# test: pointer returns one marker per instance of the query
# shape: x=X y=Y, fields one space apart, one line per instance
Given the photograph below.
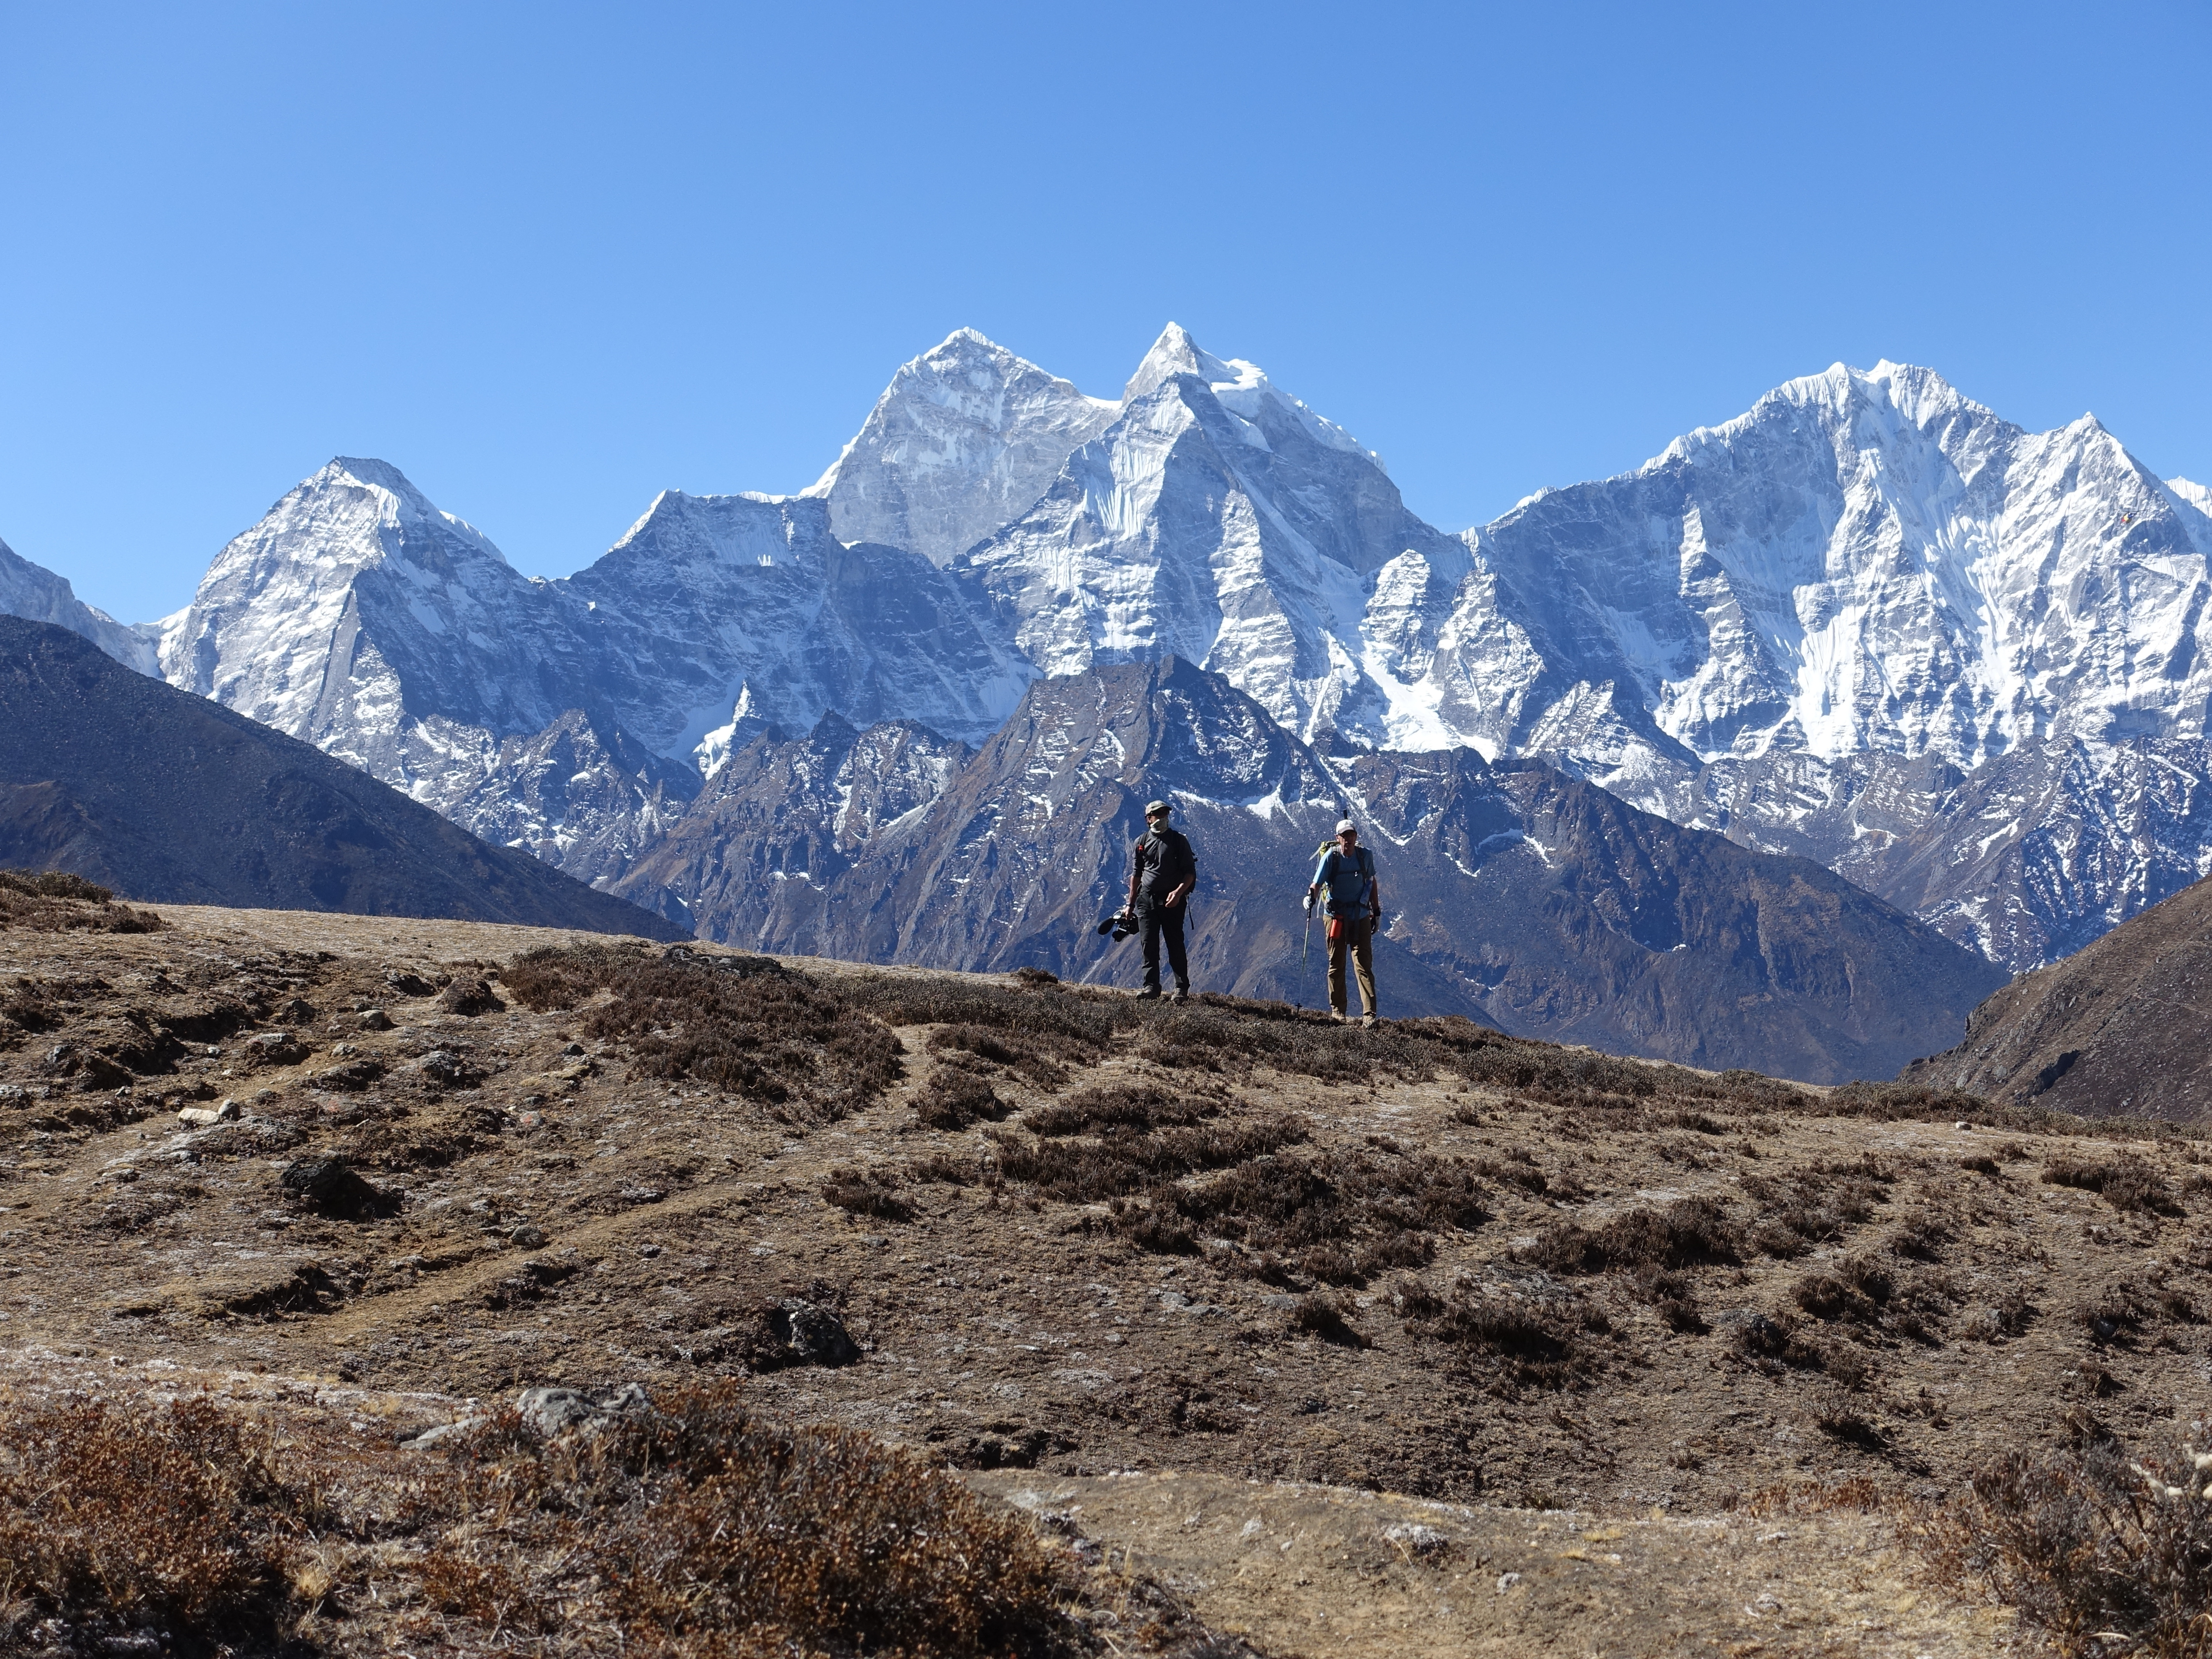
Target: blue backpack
x=1363 y=861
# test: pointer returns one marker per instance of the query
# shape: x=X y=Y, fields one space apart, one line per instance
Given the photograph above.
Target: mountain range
x=1867 y=623
x=173 y=798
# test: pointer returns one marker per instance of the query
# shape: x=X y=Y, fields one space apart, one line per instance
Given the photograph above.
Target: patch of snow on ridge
x=1241 y=387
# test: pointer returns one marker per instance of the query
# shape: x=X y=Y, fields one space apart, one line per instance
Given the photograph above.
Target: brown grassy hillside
x=2123 y=1028
x=1050 y=1238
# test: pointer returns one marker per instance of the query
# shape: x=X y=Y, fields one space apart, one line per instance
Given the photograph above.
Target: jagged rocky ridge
x=1532 y=900
x=1868 y=623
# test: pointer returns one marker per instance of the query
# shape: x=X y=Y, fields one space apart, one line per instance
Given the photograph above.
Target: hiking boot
x=1337 y=1014
x=1152 y=994
x=1369 y=1019
x=1183 y=994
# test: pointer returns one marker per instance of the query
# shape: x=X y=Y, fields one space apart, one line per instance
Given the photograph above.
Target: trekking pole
x=1305 y=950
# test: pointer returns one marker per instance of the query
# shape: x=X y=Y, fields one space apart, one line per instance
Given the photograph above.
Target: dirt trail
x=1361 y=1575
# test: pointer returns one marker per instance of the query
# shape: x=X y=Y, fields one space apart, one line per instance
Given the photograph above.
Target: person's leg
x=1362 y=955
x=1149 y=923
x=1176 y=958
x=1336 y=975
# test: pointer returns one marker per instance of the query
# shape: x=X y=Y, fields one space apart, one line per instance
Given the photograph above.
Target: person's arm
x=1184 y=889
x=1136 y=871
x=1313 y=887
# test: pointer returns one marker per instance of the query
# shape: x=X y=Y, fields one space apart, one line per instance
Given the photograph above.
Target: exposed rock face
x=2124 y=1026
x=783 y=821
x=582 y=794
x=1560 y=907
x=1534 y=900
x=166 y=796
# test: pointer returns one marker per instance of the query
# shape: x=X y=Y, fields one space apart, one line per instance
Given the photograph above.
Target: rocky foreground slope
x=1048 y=1235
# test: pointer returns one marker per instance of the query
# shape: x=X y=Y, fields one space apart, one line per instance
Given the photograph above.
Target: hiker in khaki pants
x=1354 y=906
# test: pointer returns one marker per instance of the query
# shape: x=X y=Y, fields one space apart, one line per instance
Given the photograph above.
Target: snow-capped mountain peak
x=1240 y=386
x=964 y=438
x=356 y=605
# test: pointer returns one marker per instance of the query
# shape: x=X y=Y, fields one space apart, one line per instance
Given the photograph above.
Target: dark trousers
x=1160 y=922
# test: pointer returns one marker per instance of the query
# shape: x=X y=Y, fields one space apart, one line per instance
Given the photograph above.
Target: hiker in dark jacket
x=1162 y=872
x=1354 y=907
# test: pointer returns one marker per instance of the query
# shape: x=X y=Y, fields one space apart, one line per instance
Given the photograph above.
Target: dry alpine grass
x=698 y=1527
x=1011 y=1225
x=54 y=901
x=742 y=1024
x=2107 y=1553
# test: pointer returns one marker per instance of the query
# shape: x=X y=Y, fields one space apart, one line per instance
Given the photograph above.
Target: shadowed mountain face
x=166 y=796
x=1517 y=895
x=2125 y=1027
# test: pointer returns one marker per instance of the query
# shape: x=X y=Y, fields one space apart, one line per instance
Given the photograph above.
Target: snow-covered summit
x=2192 y=494
x=1864 y=561
x=1220 y=520
x=1891 y=396
x=964 y=438
x=1240 y=386
x=356 y=567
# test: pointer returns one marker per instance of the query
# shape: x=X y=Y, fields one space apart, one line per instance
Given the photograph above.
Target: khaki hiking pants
x=1358 y=938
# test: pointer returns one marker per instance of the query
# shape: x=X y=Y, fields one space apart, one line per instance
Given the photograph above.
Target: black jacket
x=1161 y=860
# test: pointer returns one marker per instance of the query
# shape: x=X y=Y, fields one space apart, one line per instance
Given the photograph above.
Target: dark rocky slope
x=2122 y=1028
x=165 y=796
x=1519 y=896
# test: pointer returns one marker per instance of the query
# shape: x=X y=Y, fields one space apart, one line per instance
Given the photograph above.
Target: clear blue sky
x=550 y=259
